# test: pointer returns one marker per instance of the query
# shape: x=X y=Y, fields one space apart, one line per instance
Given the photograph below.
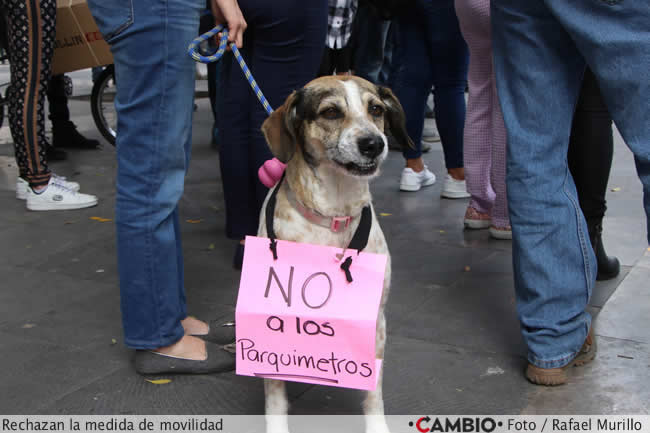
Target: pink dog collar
x=336 y=224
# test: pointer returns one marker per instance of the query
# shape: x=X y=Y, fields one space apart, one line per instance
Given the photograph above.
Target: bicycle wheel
x=102 y=104
x=67 y=85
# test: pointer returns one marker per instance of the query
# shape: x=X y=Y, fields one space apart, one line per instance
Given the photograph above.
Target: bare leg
x=415 y=164
x=457 y=173
x=194 y=326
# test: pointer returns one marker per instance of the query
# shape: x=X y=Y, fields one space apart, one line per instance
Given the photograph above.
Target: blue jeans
x=432 y=52
x=154 y=101
x=283 y=47
x=390 y=68
x=371 y=35
x=540 y=52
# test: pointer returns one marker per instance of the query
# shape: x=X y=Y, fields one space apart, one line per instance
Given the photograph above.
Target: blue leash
x=193 y=51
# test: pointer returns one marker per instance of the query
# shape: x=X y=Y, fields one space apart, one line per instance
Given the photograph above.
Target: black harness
x=359 y=240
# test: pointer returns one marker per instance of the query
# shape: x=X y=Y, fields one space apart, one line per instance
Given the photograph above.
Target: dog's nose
x=371 y=145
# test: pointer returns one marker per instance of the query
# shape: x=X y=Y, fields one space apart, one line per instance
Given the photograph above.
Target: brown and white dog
x=331 y=134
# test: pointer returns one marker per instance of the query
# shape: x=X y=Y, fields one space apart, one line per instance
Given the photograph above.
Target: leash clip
x=340 y=223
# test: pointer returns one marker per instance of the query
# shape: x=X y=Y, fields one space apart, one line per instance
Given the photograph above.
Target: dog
x=332 y=136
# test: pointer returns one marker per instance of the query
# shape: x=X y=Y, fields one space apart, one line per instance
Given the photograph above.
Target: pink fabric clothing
x=485 y=133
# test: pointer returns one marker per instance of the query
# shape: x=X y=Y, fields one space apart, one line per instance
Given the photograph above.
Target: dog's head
x=339 y=121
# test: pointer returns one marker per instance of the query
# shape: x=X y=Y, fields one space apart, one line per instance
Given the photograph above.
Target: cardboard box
x=79 y=44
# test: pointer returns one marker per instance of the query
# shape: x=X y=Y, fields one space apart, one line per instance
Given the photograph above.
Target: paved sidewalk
x=453 y=346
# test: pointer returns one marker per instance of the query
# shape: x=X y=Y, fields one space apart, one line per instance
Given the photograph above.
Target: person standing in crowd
x=283 y=48
x=64 y=131
x=154 y=103
x=214 y=77
x=432 y=52
x=484 y=139
x=337 y=57
x=591 y=150
x=375 y=34
x=540 y=53
x=4 y=43
x=31 y=26
x=370 y=43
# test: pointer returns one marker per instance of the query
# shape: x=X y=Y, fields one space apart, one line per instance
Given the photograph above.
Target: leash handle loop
x=193 y=51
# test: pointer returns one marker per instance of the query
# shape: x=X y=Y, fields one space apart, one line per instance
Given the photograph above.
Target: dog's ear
x=281 y=129
x=395 y=117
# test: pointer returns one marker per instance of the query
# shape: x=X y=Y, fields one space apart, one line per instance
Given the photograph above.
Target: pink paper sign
x=298 y=319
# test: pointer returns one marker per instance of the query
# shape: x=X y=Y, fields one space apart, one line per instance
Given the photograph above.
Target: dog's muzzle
x=370 y=146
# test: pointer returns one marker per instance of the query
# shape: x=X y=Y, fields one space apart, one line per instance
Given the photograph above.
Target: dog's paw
x=277 y=424
x=376 y=424
x=378 y=429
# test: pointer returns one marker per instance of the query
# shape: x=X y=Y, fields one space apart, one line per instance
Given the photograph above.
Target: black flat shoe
x=218 y=361
x=222 y=330
x=65 y=134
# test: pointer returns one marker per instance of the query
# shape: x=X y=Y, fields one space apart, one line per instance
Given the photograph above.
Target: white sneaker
x=22 y=186
x=57 y=197
x=412 y=181
x=454 y=188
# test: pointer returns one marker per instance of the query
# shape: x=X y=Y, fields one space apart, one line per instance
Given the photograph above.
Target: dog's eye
x=376 y=110
x=331 y=113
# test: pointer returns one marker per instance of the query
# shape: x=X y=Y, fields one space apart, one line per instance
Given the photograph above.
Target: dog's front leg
x=373 y=405
x=277 y=406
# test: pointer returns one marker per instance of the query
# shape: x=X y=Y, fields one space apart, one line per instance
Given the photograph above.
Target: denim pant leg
x=432 y=52
x=450 y=57
x=412 y=80
x=538 y=71
x=283 y=48
x=286 y=59
x=155 y=92
x=614 y=38
x=372 y=33
x=390 y=68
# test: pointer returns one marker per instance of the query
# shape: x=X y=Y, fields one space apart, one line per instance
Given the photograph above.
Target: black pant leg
x=57 y=99
x=591 y=149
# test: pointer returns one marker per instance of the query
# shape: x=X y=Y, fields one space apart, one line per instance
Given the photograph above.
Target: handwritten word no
x=286 y=294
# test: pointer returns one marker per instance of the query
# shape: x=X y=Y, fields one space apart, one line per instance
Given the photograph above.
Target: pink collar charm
x=271 y=171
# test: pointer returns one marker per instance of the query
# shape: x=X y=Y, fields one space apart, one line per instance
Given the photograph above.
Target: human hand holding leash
x=227 y=12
